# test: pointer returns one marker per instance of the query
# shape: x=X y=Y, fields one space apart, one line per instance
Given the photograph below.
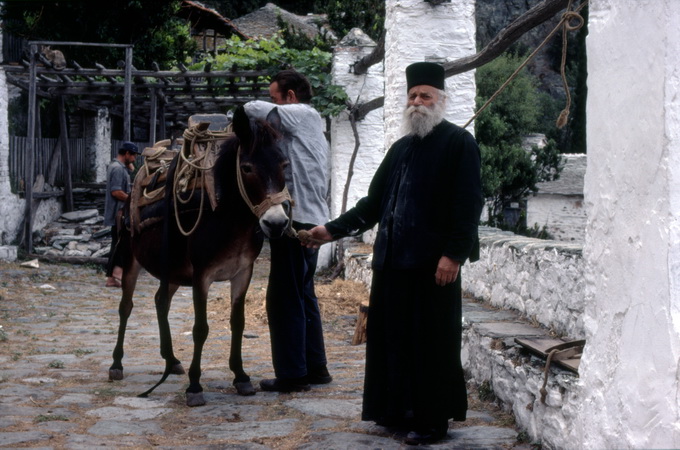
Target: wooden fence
x=81 y=170
x=43 y=150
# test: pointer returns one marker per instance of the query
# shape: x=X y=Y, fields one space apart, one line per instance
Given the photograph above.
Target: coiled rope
x=188 y=168
x=566 y=24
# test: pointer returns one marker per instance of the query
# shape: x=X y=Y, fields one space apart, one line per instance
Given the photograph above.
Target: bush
x=509 y=172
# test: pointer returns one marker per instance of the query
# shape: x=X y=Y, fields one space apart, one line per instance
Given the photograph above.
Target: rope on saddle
x=163 y=165
x=193 y=166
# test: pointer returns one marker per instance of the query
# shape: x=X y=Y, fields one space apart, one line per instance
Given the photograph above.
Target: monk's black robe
x=426 y=199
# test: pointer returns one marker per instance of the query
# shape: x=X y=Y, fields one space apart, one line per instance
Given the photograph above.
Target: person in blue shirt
x=118 y=187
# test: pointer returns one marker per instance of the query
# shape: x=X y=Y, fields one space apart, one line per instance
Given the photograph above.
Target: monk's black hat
x=429 y=73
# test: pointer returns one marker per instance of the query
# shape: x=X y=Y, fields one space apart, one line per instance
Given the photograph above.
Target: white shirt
x=305 y=145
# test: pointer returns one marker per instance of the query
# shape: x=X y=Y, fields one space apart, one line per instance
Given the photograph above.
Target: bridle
x=271 y=199
x=268 y=202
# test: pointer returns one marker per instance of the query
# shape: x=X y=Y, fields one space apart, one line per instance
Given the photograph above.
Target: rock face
x=493 y=15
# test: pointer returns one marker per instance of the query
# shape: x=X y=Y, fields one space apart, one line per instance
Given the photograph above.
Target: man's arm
x=119 y=195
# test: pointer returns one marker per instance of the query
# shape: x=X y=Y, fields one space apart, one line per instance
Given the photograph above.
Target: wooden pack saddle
x=193 y=174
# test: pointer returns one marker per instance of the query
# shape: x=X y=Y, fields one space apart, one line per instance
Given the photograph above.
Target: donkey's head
x=261 y=171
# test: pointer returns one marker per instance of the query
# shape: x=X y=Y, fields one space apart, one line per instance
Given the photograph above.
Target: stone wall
x=542 y=280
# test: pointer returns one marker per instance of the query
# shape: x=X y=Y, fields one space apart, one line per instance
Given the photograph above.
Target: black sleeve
x=366 y=213
x=467 y=201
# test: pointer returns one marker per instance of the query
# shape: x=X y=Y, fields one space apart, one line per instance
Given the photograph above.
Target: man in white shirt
x=298 y=350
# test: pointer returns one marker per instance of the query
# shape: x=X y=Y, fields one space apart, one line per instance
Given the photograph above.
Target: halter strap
x=271 y=200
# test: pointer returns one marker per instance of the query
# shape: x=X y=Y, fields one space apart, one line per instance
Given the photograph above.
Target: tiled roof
x=203 y=18
x=264 y=22
x=571 y=178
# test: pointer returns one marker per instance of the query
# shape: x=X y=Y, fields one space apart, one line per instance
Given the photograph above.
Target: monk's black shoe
x=285 y=385
x=429 y=436
x=319 y=375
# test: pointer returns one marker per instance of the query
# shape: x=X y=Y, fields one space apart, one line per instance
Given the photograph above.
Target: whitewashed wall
x=420 y=31
x=630 y=368
x=371 y=129
x=360 y=89
x=11 y=207
x=97 y=134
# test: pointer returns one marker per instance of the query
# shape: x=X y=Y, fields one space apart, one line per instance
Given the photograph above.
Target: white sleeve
x=257 y=109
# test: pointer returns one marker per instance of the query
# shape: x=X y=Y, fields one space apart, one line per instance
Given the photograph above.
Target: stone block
x=8 y=253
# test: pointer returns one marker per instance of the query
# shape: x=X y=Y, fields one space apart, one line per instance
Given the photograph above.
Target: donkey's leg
x=237 y=321
x=163 y=298
x=177 y=368
x=200 y=331
x=129 y=281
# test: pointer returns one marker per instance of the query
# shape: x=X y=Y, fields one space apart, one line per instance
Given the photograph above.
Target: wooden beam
x=127 y=128
x=29 y=166
x=66 y=155
x=153 y=109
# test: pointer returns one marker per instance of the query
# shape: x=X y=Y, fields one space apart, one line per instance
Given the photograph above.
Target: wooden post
x=127 y=95
x=152 y=117
x=29 y=168
x=360 y=330
x=66 y=155
x=54 y=164
x=161 y=131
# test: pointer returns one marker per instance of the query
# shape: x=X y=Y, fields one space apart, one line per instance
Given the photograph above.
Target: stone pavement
x=58 y=330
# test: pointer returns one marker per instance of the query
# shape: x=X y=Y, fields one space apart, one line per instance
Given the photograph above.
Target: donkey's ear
x=241 y=125
x=274 y=119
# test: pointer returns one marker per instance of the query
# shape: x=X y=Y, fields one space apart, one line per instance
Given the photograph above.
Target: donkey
x=251 y=202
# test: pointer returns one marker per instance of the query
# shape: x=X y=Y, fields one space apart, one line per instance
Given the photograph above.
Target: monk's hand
x=315 y=237
x=447 y=271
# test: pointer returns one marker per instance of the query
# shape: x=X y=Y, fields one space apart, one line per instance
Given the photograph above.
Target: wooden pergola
x=159 y=99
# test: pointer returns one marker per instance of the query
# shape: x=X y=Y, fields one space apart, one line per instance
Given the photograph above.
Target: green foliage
x=343 y=15
x=509 y=172
x=295 y=39
x=152 y=27
x=272 y=55
x=513 y=113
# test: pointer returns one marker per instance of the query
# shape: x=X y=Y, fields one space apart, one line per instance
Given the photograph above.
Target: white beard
x=420 y=120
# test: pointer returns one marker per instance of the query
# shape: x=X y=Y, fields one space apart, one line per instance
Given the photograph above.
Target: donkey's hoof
x=244 y=388
x=195 y=399
x=177 y=369
x=115 y=374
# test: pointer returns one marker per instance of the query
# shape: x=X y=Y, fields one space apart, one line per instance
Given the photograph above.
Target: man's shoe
x=285 y=385
x=319 y=376
x=425 y=437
